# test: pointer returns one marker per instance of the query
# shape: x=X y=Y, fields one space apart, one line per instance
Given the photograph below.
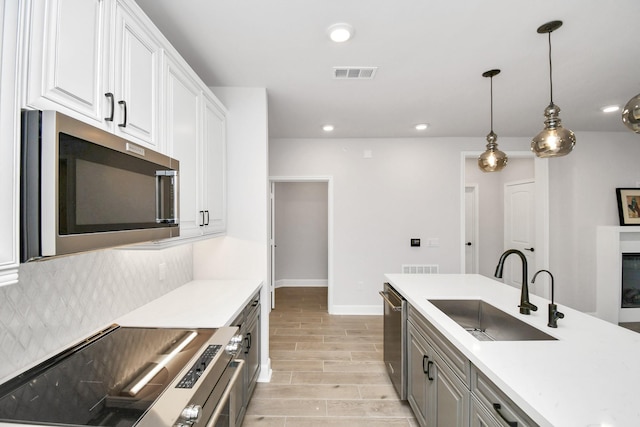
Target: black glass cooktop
x=94 y=383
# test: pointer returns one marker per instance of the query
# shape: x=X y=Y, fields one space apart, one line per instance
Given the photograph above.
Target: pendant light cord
x=550 y=70
x=491 y=104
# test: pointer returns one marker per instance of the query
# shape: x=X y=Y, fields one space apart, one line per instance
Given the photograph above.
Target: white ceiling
x=431 y=56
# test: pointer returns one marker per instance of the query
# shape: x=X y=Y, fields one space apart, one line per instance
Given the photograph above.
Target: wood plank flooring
x=327 y=369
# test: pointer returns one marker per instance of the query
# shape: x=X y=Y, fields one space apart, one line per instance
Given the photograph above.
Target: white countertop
x=198 y=304
x=588 y=377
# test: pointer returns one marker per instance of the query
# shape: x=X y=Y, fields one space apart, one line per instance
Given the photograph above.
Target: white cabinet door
x=136 y=71
x=67 y=57
x=9 y=135
x=181 y=117
x=214 y=167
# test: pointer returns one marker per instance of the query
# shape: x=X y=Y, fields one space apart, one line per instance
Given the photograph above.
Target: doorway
x=301 y=234
x=491 y=221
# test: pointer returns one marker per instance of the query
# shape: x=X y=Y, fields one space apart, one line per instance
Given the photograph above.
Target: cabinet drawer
x=496 y=402
x=451 y=355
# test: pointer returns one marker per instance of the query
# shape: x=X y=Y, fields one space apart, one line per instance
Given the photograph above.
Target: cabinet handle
x=124 y=122
x=247 y=338
x=429 y=364
x=497 y=407
x=201 y=219
x=207 y=216
x=424 y=359
x=110 y=96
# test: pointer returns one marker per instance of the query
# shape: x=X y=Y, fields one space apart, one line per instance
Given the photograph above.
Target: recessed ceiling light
x=327 y=128
x=422 y=126
x=610 y=108
x=340 y=33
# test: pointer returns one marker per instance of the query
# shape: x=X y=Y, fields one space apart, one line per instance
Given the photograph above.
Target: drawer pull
x=497 y=407
x=429 y=364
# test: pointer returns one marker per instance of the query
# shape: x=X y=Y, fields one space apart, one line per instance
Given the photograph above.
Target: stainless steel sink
x=487 y=323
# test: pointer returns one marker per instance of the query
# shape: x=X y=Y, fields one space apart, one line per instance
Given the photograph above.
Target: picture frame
x=628 y=205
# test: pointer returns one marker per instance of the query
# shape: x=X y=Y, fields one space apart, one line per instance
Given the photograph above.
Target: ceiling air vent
x=350 y=73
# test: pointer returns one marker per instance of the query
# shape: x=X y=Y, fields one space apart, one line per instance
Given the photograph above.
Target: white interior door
x=471 y=229
x=272 y=244
x=519 y=229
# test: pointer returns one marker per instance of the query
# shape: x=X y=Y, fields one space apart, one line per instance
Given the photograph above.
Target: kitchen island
x=588 y=376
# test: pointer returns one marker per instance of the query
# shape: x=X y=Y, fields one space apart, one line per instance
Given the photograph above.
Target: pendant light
x=492 y=160
x=631 y=114
x=554 y=140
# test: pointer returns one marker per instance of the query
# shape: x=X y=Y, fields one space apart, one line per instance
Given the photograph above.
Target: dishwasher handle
x=385 y=297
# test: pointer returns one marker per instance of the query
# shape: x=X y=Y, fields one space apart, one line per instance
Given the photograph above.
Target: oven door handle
x=227 y=392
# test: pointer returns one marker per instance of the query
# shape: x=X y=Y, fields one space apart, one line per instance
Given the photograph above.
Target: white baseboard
x=358 y=309
x=301 y=283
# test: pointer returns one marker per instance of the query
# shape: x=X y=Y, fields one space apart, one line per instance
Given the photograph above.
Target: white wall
x=411 y=188
x=301 y=227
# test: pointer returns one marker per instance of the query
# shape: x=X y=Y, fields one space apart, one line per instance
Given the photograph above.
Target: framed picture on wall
x=629 y=205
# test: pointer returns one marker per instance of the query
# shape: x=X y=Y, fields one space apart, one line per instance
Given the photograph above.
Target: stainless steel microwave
x=83 y=188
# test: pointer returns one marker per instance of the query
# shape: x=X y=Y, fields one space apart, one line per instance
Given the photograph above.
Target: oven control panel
x=194 y=373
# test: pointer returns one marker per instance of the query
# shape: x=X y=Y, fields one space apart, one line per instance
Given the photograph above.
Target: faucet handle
x=526 y=305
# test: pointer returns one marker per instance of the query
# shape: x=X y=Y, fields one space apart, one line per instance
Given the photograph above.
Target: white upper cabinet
x=214 y=168
x=181 y=119
x=136 y=71
x=195 y=135
x=9 y=136
x=95 y=60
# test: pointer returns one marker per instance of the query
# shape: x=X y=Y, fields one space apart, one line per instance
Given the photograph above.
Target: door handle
x=530 y=249
x=110 y=96
x=124 y=122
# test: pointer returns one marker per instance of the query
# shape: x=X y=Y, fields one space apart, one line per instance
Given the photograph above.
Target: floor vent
x=354 y=73
x=420 y=269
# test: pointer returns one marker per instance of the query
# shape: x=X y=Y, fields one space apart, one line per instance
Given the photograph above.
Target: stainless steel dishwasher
x=395 y=338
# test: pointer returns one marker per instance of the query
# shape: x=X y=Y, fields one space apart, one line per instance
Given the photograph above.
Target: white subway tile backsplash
x=60 y=301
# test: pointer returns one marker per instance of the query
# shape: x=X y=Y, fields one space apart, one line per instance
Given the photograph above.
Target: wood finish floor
x=327 y=369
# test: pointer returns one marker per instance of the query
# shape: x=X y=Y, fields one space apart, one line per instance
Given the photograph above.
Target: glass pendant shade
x=631 y=114
x=554 y=140
x=492 y=160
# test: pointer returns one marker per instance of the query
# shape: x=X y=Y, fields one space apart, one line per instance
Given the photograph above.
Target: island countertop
x=589 y=376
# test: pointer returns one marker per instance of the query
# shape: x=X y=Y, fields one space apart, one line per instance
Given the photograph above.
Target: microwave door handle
x=161 y=215
x=227 y=392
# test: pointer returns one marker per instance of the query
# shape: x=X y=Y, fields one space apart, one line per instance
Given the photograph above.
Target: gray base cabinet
x=249 y=323
x=445 y=390
x=435 y=393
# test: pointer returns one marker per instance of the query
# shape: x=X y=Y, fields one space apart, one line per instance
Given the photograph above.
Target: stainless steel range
x=124 y=377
